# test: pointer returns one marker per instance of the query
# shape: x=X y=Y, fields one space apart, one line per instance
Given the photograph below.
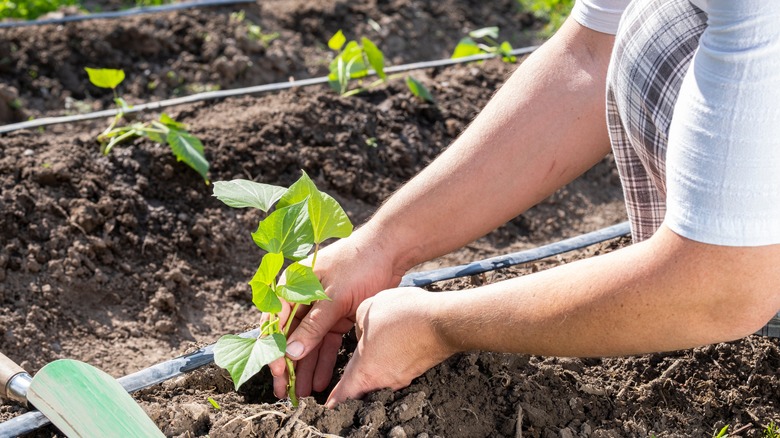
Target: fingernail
x=294 y=349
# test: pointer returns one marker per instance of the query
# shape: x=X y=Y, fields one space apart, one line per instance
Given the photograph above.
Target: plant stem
x=291 y=381
x=290 y=319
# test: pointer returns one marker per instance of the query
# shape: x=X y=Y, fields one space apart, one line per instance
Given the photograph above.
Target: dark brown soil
x=126 y=260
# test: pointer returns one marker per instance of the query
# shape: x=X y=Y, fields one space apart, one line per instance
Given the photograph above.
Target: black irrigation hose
x=161 y=372
x=123 y=13
x=221 y=94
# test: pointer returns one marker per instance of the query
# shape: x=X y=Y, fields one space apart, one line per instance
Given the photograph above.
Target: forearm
x=542 y=129
x=664 y=294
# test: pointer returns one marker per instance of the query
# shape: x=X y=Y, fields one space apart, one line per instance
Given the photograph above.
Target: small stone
x=397 y=432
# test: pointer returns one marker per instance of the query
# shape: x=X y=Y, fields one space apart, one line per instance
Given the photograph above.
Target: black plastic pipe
x=123 y=13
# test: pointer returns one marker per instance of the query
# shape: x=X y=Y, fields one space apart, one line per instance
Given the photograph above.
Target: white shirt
x=723 y=156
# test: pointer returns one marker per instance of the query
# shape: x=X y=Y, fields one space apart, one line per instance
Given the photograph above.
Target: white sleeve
x=723 y=156
x=599 y=15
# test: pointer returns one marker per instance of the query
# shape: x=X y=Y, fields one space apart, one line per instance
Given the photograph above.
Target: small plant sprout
x=303 y=218
x=771 y=430
x=355 y=59
x=483 y=41
x=185 y=146
x=722 y=433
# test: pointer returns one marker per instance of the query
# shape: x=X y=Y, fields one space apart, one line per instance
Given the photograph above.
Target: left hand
x=396 y=343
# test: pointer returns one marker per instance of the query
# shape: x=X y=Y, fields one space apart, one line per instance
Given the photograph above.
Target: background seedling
x=303 y=218
x=185 y=146
x=355 y=59
x=553 y=12
x=483 y=41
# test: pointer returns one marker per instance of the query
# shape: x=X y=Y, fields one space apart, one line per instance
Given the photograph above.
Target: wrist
x=443 y=316
x=397 y=246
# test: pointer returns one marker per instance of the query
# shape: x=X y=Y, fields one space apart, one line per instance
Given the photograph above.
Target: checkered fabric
x=654 y=46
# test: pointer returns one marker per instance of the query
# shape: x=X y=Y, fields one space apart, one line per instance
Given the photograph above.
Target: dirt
x=126 y=260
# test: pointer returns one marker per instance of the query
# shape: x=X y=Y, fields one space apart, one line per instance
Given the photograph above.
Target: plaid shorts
x=653 y=48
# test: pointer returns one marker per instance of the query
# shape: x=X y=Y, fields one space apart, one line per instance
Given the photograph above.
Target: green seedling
x=722 y=433
x=185 y=146
x=553 y=12
x=302 y=219
x=253 y=30
x=483 y=41
x=771 y=430
x=31 y=9
x=214 y=403
x=355 y=60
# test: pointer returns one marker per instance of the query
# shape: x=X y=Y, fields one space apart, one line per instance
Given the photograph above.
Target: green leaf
x=491 y=32
x=336 y=42
x=353 y=60
x=263 y=295
x=375 y=57
x=287 y=230
x=214 y=403
x=105 y=77
x=166 y=120
x=506 y=52
x=327 y=217
x=241 y=193
x=418 y=89
x=158 y=137
x=243 y=358
x=186 y=147
x=264 y=298
x=301 y=285
x=466 y=47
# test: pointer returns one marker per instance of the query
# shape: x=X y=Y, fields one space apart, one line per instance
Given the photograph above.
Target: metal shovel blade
x=83 y=401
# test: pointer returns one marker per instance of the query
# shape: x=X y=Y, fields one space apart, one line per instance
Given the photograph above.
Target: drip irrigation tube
x=221 y=94
x=123 y=13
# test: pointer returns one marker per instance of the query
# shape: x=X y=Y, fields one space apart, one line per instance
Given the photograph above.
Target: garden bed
x=126 y=260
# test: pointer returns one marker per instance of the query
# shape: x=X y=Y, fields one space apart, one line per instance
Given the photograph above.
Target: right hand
x=351 y=270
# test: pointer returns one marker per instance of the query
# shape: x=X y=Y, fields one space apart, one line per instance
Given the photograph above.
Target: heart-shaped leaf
x=245 y=357
x=375 y=57
x=105 y=77
x=186 y=147
x=301 y=285
x=287 y=230
x=241 y=193
x=336 y=42
x=263 y=295
x=466 y=47
x=327 y=217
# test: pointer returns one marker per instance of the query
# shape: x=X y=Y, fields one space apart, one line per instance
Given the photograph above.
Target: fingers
x=352 y=385
x=304 y=370
x=279 y=371
x=320 y=320
x=326 y=361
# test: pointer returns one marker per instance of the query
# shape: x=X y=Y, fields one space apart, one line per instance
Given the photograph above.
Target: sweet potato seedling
x=303 y=218
x=483 y=41
x=185 y=146
x=353 y=61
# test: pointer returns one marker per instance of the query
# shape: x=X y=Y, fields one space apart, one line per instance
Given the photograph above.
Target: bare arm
x=542 y=129
x=666 y=293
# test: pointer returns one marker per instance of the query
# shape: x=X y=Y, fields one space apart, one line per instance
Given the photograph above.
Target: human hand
x=350 y=270
x=396 y=343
